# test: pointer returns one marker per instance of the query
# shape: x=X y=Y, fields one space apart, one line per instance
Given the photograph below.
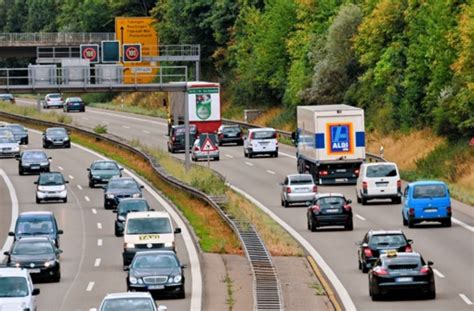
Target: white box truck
x=330 y=142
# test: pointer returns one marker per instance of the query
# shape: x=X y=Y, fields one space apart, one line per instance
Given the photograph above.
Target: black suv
x=380 y=242
x=176 y=139
x=230 y=134
x=120 y=188
x=33 y=161
x=56 y=137
x=37 y=224
x=126 y=206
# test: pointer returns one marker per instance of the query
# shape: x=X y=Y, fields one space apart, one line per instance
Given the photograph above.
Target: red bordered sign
x=90 y=52
x=132 y=52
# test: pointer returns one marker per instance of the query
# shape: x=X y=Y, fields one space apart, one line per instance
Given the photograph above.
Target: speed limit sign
x=90 y=52
x=132 y=52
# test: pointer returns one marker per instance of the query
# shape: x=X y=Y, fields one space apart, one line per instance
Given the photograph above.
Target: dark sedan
x=19 y=132
x=120 y=188
x=74 y=103
x=35 y=161
x=156 y=271
x=126 y=206
x=37 y=254
x=329 y=209
x=101 y=171
x=394 y=272
x=378 y=242
x=40 y=223
x=56 y=137
x=230 y=134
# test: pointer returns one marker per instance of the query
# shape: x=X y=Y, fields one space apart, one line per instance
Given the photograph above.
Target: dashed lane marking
x=99 y=225
x=94 y=211
x=90 y=286
x=87 y=199
x=360 y=217
x=97 y=262
x=249 y=164
x=99 y=242
x=466 y=300
x=271 y=172
x=79 y=187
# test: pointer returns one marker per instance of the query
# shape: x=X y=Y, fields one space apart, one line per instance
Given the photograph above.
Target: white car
x=379 y=181
x=9 y=147
x=261 y=141
x=51 y=186
x=53 y=100
x=130 y=301
x=16 y=290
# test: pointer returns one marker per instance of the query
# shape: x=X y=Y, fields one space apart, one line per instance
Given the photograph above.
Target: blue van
x=426 y=201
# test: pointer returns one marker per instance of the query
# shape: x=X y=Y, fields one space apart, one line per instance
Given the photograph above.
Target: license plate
x=404 y=279
x=156 y=287
x=332 y=210
x=301 y=190
x=35 y=167
x=341 y=179
x=431 y=210
x=341 y=170
x=34 y=270
x=149 y=237
x=381 y=184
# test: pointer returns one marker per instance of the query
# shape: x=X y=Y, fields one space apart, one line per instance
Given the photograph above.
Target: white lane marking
x=466 y=300
x=90 y=286
x=94 y=211
x=127 y=117
x=146 y=132
x=438 y=274
x=97 y=262
x=346 y=300
x=99 y=242
x=79 y=187
x=249 y=164
x=229 y=156
x=14 y=200
x=287 y=155
x=60 y=168
x=71 y=177
x=87 y=198
x=125 y=126
x=360 y=217
x=99 y=225
x=462 y=224
x=271 y=172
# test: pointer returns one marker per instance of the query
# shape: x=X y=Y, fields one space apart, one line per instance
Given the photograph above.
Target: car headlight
x=49 y=138
x=49 y=263
x=136 y=195
x=129 y=245
x=44 y=163
x=169 y=244
x=41 y=188
x=133 y=280
x=177 y=278
x=110 y=196
x=16 y=148
x=66 y=138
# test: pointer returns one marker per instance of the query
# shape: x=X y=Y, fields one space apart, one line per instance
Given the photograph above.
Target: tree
x=86 y=16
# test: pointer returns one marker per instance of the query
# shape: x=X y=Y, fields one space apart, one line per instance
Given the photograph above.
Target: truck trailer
x=330 y=142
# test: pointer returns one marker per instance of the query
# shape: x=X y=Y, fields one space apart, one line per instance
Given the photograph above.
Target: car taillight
x=288 y=189
x=448 y=209
x=399 y=183
x=173 y=138
x=221 y=136
x=364 y=185
x=424 y=270
x=368 y=252
x=323 y=173
x=411 y=211
x=61 y=99
x=251 y=135
x=315 y=188
x=408 y=249
x=241 y=134
x=196 y=148
x=315 y=208
x=348 y=208
x=356 y=172
x=380 y=271
x=48 y=99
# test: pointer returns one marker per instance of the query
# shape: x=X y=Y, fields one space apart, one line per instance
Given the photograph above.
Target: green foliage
x=91 y=98
x=100 y=129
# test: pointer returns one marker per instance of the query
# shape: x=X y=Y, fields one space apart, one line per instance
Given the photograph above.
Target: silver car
x=53 y=100
x=9 y=147
x=297 y=188
x=51 y=186
x=202 y=144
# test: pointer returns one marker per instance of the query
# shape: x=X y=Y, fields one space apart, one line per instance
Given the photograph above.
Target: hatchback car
x=156 y=271
x=33 y=161
x=230 y=134
x=261 y=141
x=129 y=301
x=426 y=201
x=297 y=188
x=37 y=254
x=126 y=206
x=120 y=188
x=176 y=139
x=378 y=242
x=56 y=137
x=379 y=181
x=329 y=209
x=205 y=147
x=394 y=272
x=101 y=171
x=7 y=98
x=74 y=103
x=19 y=132
x=51 y=186
x=9 y=147
x=16 y=290
x=53 y=100
x=40 y=223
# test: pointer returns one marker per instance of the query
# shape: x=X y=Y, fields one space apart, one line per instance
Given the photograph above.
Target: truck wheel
x=358 y=199
x=397 y=200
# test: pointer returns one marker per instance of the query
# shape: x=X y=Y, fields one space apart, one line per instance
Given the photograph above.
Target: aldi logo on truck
x=340 y=138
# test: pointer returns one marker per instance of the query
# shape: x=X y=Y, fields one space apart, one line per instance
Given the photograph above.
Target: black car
x=380 y=242
x=176 y=139
x=101 y=171
x=126 y=206
x=56 y=137
x=74 y=103
x=329 y=209
x=19 y=132
x=120 y=188
x=33 y=161
x=395 y=272
x=156 y=271
x=37 y=254
x=230 y=134
x=41 y=223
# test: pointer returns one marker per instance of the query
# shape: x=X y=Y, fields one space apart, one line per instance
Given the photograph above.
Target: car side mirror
x=35 y=292
x=121 y=218
x=114 y=211
x=49 y=158
x=152 y=209
x=282 y=184
x=67 y=181
x=364 y=245
x=142 y=186
x=358 y=243
x=6 y=253
x=35 y=182
x=184 y=266
x=410 y=241
x=60 y=232
x=349 y=201
x=88 y=169
x=121 y=168
x=309 y=203
x=11 y=233
x=59 y=251
x=126 y=268
x=177 y=230
x=430 y=263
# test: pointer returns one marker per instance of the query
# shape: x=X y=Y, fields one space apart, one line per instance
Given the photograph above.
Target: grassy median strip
x=160 y=113
x=32 y=112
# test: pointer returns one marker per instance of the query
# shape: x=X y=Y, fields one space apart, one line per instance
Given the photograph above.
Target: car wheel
x=358 y=199
x=411 y=223
x=26 y=141
x=396 y=200
x=375 y=297
x=431 y=294
x=68 y=146
x=65 y=200
x=364 y=201
x=286 y=203
x=447 y=222
x=250 y=155
x=313 y=227
x=116 y=232
x=91 y=184
x=217 y=158
x=57 y=277
x=349 y=226
x=276 y=154
x=38 y=201
x=21 y=172
x=365 y=269
x=245 y=154
x=172 y=150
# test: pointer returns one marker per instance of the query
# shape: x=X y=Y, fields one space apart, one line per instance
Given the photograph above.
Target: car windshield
x=13 y=286
x=203 y=137
x=128 y=206
x=381 y=171
x=122 y=184
x=33 y=226
x=301 y=180
x=386 y=240
x=16 y=128
x=233 y=129
x=263 y=135
x=154 y=262
x=75 y=100
x=32 y=248
x=181 y=130
x=54 y=95
x=127 y=304
x=148 y=225
x=105 y=166
x=7 y=140
x=34 y=156
x=59 y=132
x=51 y=180
x=429 y=191
x=330 y=202
x=402 y=263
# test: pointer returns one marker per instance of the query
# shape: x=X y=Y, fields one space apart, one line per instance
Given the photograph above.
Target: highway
x=91 y=264
x=451 y=249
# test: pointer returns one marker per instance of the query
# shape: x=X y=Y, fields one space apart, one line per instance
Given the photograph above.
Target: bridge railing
x=12 y=39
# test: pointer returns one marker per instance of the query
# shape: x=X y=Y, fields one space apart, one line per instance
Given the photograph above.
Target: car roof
x=74 y=98
x=262 y=129
x=385 y=232
x=104 y=161
x=427 y=182
x=327 y=195
x=13 y=271
x=128 y=295
x=49 y=94
x=378 y=163
x=149 y=214
x=51 y=173
x=122 y=178
x=55 y=128
x=299 y=175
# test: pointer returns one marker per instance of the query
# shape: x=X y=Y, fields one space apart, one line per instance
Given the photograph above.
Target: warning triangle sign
x=208 y=145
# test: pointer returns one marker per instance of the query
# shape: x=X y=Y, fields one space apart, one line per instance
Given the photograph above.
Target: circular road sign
x=132 y=53
x=89 y=53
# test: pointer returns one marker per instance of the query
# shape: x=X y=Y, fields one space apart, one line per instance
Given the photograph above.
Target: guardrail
x=267 y=289
x=53 y=38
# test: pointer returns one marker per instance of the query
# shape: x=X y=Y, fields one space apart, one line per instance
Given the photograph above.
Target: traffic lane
x=5 y=213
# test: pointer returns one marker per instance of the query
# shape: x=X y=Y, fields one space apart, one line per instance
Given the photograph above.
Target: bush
x=100 y=129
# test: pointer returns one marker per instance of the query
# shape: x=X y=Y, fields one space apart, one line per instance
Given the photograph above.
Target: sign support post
x=208 y=159
x=186 y=130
